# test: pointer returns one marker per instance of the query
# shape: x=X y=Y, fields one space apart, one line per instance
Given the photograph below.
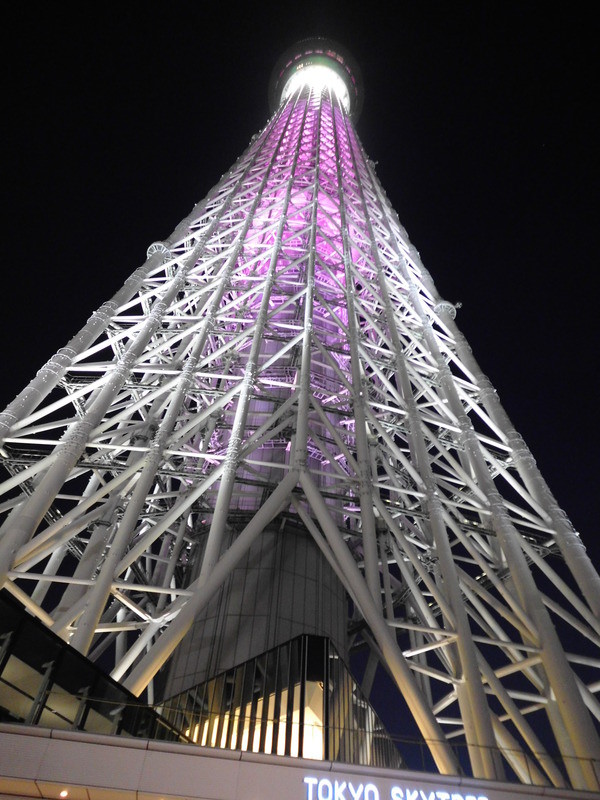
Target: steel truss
x=285 y=352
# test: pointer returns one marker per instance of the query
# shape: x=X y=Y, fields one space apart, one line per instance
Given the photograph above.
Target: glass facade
x=297 y=699
x=45 y=682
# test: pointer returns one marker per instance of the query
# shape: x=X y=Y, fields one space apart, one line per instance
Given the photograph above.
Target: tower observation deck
x=269 y=474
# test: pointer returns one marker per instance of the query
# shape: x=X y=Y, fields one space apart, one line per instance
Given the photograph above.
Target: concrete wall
x=37 y=762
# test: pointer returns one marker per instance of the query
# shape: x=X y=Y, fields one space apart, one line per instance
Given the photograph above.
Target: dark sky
x=120 y=116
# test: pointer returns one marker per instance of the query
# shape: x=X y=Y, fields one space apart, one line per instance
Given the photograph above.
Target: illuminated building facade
x=273 y=449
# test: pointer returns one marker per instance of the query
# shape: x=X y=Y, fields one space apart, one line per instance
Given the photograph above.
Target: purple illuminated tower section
x=271 y=458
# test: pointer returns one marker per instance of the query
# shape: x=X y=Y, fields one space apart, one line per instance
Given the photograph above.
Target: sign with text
x=331 y=789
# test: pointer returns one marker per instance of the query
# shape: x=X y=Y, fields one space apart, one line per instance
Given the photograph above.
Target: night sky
x=480 y=115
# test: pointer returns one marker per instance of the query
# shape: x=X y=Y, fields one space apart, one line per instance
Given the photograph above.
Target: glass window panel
x=313 y=739
x=19 y=686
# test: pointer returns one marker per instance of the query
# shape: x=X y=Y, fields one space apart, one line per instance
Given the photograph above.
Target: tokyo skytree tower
x=274 y=430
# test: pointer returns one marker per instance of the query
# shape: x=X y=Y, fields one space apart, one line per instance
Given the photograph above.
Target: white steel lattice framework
x=286 y=352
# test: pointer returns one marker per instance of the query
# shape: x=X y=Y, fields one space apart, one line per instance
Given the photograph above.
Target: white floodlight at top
x=318 y=77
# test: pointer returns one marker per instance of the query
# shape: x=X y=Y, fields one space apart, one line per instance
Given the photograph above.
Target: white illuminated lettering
x=356 y=793
x=310 y=782
x=371 y=792
x=339 y=790
x=324 y=789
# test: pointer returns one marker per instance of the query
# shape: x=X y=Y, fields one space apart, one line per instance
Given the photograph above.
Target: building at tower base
x=68 y=765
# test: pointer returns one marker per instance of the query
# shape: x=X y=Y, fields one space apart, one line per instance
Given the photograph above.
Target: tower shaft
x=283 y=366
